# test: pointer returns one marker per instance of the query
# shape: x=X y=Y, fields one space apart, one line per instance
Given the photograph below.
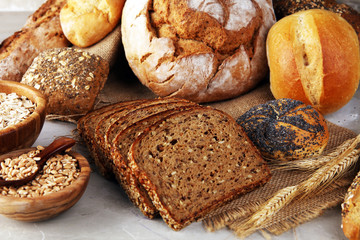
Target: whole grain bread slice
x=194 y=161
x=120 y=146
x=100 y=146
x=86 y=127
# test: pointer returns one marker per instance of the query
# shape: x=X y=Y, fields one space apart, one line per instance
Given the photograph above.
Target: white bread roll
x=314 y=57
x=201 y=50
x=86 y=22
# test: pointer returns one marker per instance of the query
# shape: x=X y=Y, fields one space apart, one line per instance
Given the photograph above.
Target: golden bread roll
x=286 y=129
x=86 y=22
x=314 y=57
x=201 y=50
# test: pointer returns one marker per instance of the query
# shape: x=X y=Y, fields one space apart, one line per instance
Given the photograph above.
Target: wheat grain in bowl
x=56 y=188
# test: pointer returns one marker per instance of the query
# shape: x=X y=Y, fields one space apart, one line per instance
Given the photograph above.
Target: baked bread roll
x=287 y=7
x=42 y=31
x=86 y=22
x=351 y=211
x=71 y=79
x=199 y=50
x=286 y=129
x=314 y=57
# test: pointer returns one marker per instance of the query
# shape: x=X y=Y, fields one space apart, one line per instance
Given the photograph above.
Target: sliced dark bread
x=119 y=152
x=194 y=161
x=100 y=146
x=88 y=123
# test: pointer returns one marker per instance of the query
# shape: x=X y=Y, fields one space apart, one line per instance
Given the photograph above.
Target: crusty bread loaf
x=314 y=57
x=86 y=22
x=287 y=7
x=197 y=50
x=351 y=211
x=194 y=161
x=286 y=129
x=70 y=78
x=42 y=31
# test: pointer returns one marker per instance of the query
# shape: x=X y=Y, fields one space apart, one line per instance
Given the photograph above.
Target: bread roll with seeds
x=286 y=129
x=70 y=78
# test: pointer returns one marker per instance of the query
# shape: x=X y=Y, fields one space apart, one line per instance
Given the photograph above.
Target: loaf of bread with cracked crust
x=194 y=161
x=42 y=31
x=199 y=50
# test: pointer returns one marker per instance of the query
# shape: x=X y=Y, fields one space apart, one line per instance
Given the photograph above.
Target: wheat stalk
x=341 y=160
x=270 y=207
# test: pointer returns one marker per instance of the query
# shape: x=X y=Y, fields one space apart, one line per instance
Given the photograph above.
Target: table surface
x=104 y=211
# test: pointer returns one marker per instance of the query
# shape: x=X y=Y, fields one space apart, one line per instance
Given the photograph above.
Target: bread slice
x=194 y=161
x=100 y=144
x=87 y=126
x=119 y=152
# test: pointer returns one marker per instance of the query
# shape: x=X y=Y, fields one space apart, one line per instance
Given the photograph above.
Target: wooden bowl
x=23 y=134
x=33 y=209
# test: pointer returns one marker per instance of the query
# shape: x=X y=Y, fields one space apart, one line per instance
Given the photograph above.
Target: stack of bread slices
x=172 y=156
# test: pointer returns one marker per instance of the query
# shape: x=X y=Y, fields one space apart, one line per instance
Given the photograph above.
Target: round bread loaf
x=201 y=50
x=85 y=22
x=286 y=129
x=314 y=57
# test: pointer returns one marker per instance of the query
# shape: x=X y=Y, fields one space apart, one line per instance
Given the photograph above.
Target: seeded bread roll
x=314 y=57
x=42 y=31
x=286 y=129
x=85 y=22
x=71 y=79
x=351 y=211
x=199 y=50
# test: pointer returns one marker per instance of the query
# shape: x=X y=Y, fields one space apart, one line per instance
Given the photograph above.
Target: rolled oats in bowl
x=14 y=109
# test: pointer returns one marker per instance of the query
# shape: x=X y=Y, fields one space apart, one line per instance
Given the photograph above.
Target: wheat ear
x=324 y=175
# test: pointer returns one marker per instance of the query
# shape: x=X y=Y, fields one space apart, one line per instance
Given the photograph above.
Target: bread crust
x=212 y=59
x=42 y=31
x=87 y=22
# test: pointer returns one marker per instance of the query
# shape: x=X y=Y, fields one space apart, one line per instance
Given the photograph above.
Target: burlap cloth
x=123 y=85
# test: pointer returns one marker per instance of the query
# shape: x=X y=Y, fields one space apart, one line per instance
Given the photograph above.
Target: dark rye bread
x=86 y=127
x=195 y=161
x=100 y=145
x=119 y=152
